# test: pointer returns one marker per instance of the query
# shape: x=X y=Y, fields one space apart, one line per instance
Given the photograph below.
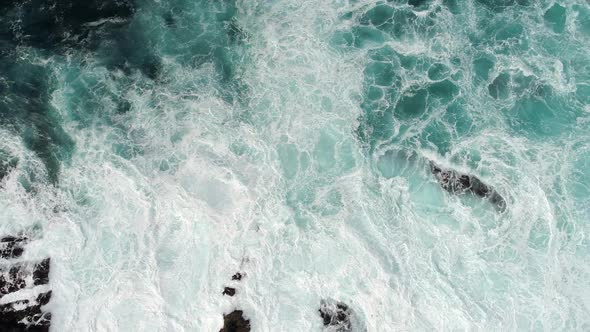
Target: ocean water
x=155 y=148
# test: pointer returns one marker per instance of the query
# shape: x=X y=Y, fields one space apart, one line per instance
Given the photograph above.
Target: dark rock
x=44 y=298
x=12 y=247
x=229 y=291
x=12 y=239
x=41 y=273
x=458 y=183
x=13 y=279
x=235 y=322
x=336 y=315
x=25 y=316
x=21 y=328
x=237 y=276
x=17 y=276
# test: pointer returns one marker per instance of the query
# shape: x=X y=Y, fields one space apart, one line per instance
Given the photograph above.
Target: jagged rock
x=235 y=322
x=44 y=298
x=17 y=276
x=237 y=276
x=25 y=315
x=229 y=291
x=12 y=280
x=22 y=313
x=458 y=183
x=12 y=247
x=41 y=273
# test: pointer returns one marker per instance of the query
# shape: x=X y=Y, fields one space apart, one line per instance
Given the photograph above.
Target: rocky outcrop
x=12 y=246
x=26 y=315
x=23 y=275
x=235 y=322
x=26 y=283
x=458 y=183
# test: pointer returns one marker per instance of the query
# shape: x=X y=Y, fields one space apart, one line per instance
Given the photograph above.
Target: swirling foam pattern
x=161 y=146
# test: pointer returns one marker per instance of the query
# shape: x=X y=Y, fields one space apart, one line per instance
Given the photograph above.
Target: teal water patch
x=105 y=51
x=24 y=109
x=468 y=83
x=403 y=84
x=555 y=17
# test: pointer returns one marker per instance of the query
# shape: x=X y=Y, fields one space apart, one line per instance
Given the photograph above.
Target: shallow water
x=155 y=148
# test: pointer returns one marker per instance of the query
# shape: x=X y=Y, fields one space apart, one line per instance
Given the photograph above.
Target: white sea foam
x=145 y=239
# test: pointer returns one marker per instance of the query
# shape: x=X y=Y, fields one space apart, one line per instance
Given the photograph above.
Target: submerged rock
x=229 y=291
x=339 y=317
x=235 y=322
x=458 y=183
x=336 y=316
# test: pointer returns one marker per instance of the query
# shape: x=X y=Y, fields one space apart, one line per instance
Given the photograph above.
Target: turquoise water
x=160 y=146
